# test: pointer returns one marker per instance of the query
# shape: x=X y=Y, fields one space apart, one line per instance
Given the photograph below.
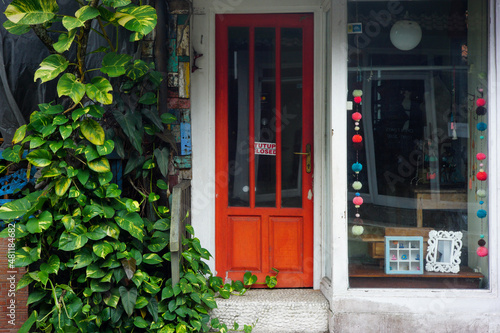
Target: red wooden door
x=264 y=147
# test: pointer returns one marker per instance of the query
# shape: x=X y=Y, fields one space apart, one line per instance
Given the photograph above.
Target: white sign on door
x=265 y=148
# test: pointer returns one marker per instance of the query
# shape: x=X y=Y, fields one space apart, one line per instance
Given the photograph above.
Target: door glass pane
x=238 y=115
x=265 y=117
x=291 y=117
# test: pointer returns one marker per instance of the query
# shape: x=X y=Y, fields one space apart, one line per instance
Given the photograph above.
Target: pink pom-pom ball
x=481 y=175
x=356 y=116
x=482 y=251
x=358 y=201
x=357 y=99
x=481 y=102
x=481 y=156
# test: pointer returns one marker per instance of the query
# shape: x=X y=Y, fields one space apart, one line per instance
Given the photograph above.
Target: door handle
x=308 y=157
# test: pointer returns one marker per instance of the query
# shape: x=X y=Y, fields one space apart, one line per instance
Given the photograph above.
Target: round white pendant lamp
x=406 y=35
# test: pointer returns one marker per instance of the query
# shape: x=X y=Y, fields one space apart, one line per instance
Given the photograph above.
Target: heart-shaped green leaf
x=128 y=298
x=83 y=176
x=92 y=131
x=68 y=85
x=51 y=67
x=62 y=185
x=114 y=64
x=99 y=90
x=74 y=240
x=141 y=19
x=106 y=148
x=136 y=69
x=105 y=178
x=52 y=265
x=39 y=158
x=112 y=191
x=31 y=11
x=152 y=259
x=75 y=115
x=83 y=258
x=168 y=118
x=19 y=134
x=131 y=222
x=83 y=14
x=59 y=120
x=65 y=131
x=102 y=248
x=12 y=154
x=64 y=42
x=55 y=146
x=100 y=165
x=16 y=29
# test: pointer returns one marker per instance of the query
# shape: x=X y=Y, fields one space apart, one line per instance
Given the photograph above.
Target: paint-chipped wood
x=173 y=63
x=182 y=162
x=185 y=139
x=184 y=79
x=179 y=103
x=183 y=40
x=172 y=26
x=173 y=80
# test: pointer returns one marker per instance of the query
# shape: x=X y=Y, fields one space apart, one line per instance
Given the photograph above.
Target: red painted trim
x=278 y=117
x=251 y=120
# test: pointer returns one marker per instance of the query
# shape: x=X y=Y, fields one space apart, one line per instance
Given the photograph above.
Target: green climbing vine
x=97 y=258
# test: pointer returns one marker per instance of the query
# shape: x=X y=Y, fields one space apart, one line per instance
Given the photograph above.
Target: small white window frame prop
x=443 y=252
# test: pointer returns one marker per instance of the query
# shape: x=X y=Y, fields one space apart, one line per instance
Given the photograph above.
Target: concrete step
x=276 y=311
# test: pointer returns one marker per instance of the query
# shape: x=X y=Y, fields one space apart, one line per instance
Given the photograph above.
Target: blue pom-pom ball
x=357 y=167
x=481 y=213
x=481 y=126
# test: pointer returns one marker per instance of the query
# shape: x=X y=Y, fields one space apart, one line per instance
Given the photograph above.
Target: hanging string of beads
x=357 y=140
x=481 y=175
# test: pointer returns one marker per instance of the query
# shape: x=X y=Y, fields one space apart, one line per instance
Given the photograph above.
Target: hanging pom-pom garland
x=481 y=175
x=357 y=141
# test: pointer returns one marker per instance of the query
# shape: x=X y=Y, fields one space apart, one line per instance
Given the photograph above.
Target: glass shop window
x=417 y=144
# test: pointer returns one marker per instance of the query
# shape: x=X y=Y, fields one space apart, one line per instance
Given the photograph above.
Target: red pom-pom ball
x=481 y=156
x=357 y=99
x=482 y=251
x=481 y=175
x=358 y=201
x=357 y=138
x=356 y=116
x=481 y=102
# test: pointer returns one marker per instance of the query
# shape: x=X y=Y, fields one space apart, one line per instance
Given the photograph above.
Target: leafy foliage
x=98 y=261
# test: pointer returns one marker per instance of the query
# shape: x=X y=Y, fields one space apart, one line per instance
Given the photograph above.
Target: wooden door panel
x=245 y=247
x=264 y=136
x=287 y=243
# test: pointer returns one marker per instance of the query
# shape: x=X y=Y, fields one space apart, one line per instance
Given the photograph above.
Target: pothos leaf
x=64 y=42
x=68 y=85
x=99 y=90
x=141 y=19
x=51 y=67
x=31 y=11
x=92 y=131
x=114 y=64
x=16 y=29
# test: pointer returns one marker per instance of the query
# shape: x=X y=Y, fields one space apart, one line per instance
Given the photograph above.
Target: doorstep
x=276 y=311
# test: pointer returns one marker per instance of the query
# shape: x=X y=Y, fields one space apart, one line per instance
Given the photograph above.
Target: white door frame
x=203 y=113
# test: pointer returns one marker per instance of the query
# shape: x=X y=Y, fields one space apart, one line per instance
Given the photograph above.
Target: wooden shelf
x=364 y=276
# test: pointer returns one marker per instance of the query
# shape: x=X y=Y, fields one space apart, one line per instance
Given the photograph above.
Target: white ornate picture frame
x=443 y=252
